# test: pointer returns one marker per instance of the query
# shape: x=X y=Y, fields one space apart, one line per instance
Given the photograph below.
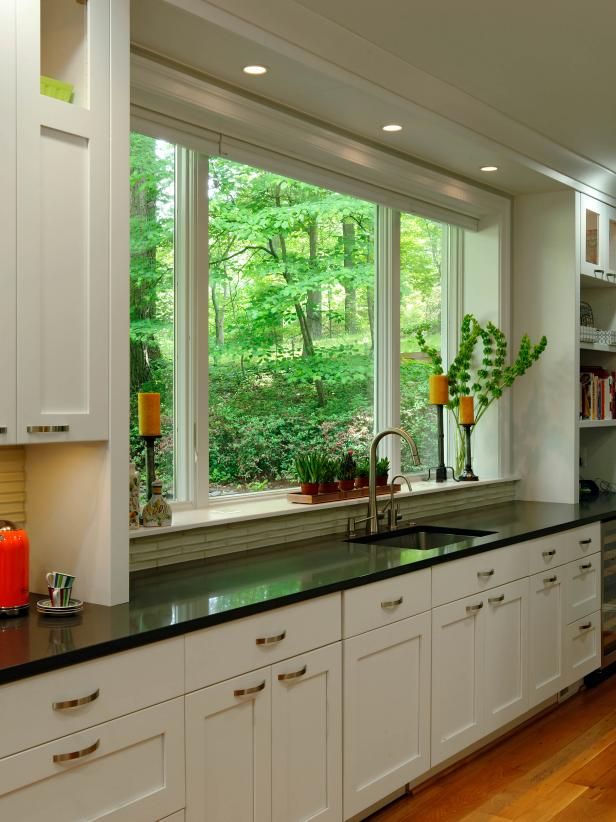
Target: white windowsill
x=230 y=511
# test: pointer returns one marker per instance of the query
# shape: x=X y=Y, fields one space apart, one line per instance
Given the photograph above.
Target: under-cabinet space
x=64 y=45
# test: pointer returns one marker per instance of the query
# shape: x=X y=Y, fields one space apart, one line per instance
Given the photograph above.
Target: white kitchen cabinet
x=582 y=647
x=8 y=279
x=228 y=750
x=505 y=682
x=458 y=658
x=593 y=245
x=386 y=710
x=130 y=769
x=62 y=224
x=546 y=638
x=307 y=737
x=583 y=585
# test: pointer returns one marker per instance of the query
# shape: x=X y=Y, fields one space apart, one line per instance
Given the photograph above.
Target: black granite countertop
x=182 y=598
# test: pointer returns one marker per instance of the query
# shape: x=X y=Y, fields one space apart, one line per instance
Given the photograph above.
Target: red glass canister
x=14 y=569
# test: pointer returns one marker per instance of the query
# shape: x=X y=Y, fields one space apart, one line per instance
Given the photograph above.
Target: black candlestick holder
x=468 y=475
x=440 y=470
x=150 y=470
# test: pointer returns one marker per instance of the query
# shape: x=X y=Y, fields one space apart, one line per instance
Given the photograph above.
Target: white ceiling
x=523 y=87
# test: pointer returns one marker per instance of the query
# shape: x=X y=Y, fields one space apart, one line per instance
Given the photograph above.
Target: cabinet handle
x=249 y=691
x=496 y=600
x=294 y=675
x=472 y=609
x=547 y=554
x=392 y=603
x=489 y=573
x=270 y=640
x=47 y=429
x=585 y=541
x=550 y=580
x=586 y=566
x=585 y=626
x=67 y=757
x=76 y=703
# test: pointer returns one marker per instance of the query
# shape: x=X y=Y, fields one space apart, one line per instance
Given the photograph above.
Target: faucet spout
x=373 y=521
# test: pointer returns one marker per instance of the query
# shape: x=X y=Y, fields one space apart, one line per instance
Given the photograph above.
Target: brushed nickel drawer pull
x=294 y=675
x=271 y=640
x=249 y=691
x=585 y=541
x=550 y=553
x=586 y=566
x=550 y=580
x=76 y=703
x=472 y=609
x=585 y=626
x=496 y=600
x=68 y=757
x=489 y=573
x=392 y=603
x=47 y=429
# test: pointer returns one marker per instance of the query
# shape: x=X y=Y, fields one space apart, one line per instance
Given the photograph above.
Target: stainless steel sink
x=422 y=538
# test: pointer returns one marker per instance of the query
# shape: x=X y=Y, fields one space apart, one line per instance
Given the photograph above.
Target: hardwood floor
x=562 y=767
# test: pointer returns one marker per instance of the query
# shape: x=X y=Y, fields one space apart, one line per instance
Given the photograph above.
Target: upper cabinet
x=597 y=239
x=61 y=267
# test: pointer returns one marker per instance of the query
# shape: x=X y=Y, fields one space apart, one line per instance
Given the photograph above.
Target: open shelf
x=588 y=346
x=598 y=281
x=64 y=45
x=597 y=423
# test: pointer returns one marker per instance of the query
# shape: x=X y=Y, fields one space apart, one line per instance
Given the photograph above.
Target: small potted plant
x=308 y=467
x=329 y=470
x=362 y=475
x=382 y=471
x=346 y=472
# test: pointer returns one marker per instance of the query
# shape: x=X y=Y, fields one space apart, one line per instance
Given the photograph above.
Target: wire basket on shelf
x=586 y=315
x=588 y=334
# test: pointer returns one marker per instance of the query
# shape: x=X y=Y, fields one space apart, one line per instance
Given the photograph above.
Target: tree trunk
x=350 y=292
x=314 y=297
x=219 y=316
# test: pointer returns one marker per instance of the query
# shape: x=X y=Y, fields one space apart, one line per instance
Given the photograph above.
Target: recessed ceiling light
x=392 y=127
x=489 y=168
x=255 y=70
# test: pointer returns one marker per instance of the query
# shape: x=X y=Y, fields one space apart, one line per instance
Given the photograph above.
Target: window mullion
x=387 y=336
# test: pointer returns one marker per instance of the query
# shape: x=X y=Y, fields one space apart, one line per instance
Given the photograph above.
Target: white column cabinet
x=307 y=737
x=386 y=710
x=228 y=750
x=545 y=646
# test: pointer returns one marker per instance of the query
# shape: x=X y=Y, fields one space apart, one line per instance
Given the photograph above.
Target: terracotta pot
x=381 y=481
x=346 y=485
x=362 y=482
x=310 y=488
x=328 y=487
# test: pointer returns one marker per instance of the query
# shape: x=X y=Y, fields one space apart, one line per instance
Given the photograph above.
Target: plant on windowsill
x=362 y=474
x=485 y=382
x=347 y=470
x=309 y=467
x=329 y=470
x=382 y=471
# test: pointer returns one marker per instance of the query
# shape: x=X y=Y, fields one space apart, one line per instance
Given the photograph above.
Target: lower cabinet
x=130 y=769
x=267 y=745
x=546 y=663
x=582 y=647
x=386 y=710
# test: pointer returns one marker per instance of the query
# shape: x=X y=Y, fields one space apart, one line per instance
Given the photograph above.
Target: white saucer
x=44 y=606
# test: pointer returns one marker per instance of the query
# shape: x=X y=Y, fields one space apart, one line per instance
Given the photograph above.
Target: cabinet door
x=228 y=750
x=583 y=587
x=505 y=679
x=128 y=770
x=63 y=224
x=307 y=737
x=592 y=240
x=458 y=639
x=582 y=647
x=545 y=635
x=8 y=277
x=386 y=710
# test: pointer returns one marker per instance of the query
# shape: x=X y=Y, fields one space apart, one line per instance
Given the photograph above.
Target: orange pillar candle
x=467 y=411
x=439 y=389
x=149 y=414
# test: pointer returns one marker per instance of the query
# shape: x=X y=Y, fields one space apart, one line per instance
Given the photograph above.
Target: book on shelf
x=597 y=393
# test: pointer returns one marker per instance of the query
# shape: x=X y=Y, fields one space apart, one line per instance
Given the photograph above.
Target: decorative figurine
x=157 y=512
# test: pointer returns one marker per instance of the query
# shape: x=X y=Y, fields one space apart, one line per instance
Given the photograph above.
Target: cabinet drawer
x=106 y=688
x=128 y=770
x=583 y=541
x=582 y=647
x=471 y=575
x=582 y=587
x=384 y=602
x=228 y=650
x=547 y=553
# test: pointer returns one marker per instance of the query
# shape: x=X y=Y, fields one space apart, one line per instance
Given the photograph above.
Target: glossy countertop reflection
x=176 y=599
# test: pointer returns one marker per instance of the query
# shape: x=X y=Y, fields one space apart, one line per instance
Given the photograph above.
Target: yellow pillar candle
x=148 y=405
x=439 y=389
x=467 y=411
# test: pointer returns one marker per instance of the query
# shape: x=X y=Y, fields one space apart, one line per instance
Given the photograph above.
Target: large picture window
x=293 y=286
